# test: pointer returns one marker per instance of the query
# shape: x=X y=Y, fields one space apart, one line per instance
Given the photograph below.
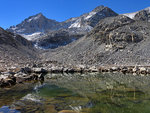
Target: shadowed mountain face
x=38 y=26
x=114 y=41
x=15 y=50
x=58 y=38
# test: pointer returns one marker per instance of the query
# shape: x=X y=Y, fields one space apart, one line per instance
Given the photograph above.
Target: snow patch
x=77 y=24
x=130 y=15
x=20 y=30
x=32 y=36
x=90 y=15
x=34 y=18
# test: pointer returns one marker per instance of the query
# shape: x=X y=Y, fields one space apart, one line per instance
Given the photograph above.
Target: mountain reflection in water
x=80 y=93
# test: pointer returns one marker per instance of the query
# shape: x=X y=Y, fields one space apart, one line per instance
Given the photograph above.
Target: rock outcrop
x=143 y=15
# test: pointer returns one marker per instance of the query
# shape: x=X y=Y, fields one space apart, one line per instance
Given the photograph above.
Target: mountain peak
x=34 y=25
x=40 y=15
x=98 y=8
x=35 y=17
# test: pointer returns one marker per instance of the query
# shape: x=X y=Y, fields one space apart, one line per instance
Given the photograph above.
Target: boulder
x=26 y=70
x=7 y=82
x=20 y=74
x=39 y=70
x=93 y=69
x=5 y=75
x=104 y=69
x=124 y=69
x=55 y=69
x=143 y=70
x=114 y=69
x=135 y=69
x=41 y=77
x=71 y=70
x=34 y=65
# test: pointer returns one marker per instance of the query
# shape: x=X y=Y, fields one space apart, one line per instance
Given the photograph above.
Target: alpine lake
x=79 y=93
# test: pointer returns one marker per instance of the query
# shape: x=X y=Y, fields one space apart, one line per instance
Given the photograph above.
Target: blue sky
x=14 y=11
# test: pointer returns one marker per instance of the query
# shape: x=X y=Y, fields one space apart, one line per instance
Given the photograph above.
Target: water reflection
x=6 y=109
x=86 y=93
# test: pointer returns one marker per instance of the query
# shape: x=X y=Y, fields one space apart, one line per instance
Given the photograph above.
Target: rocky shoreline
x=8 y=79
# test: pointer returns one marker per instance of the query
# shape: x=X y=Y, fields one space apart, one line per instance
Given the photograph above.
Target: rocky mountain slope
x=15 y=50
x=58 y=38
x=143 y=15
x=114 y=41
x=38 y=26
